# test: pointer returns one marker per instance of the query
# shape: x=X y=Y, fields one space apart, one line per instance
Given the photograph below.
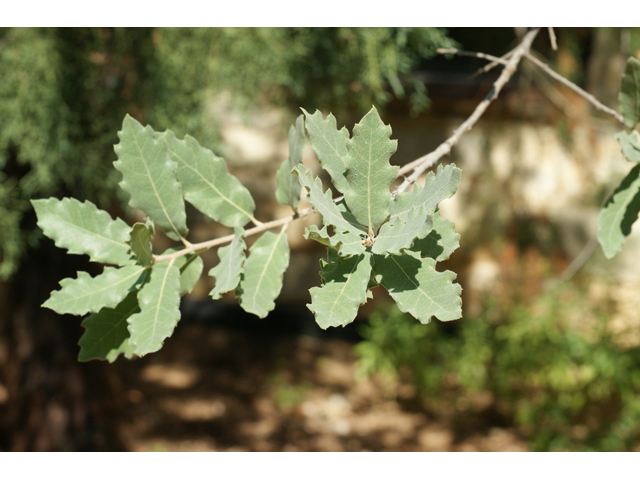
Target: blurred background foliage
x=564 y=387
x=64 y=92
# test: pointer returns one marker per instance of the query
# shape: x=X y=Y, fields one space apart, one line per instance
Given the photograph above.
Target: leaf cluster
x=549 y=376
x=134 y=302
x=373 y=237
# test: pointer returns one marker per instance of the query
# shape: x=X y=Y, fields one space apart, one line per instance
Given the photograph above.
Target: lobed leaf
x=159 y=301
x=261 y=280
x=436 y=188
x=629 y=96
x=206 y=183
x=441 y=241
x=227 y=272
x=82 y=228
x=85 y=294
x=630 y=144
x=348 y=216
x=394 y=237
x=369 y=174
x=106 y=335
x=140 y=243
x=288 y=191
x=346 y=243
x=149 y=177
x=344 y=289
x=347 y=238
x=619 y=213
x=418 y=288
x=330 y=145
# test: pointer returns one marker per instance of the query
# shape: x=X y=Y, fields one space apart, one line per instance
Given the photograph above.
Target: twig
x=489 y=66
x=552 y=37
x=576 y=264
x=203 y=246
x=465 y=53
x=427 y=161
x=587 y=96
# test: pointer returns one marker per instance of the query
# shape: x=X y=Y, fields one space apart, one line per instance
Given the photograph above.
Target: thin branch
x=427 y=161
x=552 y=37
x=491 y=65
x=587 y=96
x=203 y=246
x=576 y=264
x=465 y=53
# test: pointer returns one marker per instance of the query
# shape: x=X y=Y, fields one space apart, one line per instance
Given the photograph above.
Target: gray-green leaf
x=140 y=243
x=394 y=237
x=190 y=266
x=106 y=335
x=261 y=280
x=344 y=289
x=207 y=184
x=159 y=301
x=369 y=173
x=288 y=192
x=82 y=228
x=441 y=241
x=619 y=213
x=86 y=294
x=330 y=145
x=345 y=242
x=630 y=144
x=418 y=288
x=149 y=177
x=227 y=272
x=436 y=188
x=347 y=237
x=630 y=93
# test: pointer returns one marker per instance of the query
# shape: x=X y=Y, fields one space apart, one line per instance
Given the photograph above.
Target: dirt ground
x=221 y=388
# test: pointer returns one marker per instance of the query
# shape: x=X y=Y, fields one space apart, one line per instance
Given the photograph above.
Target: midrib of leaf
x=164 y=282
x=240 y=209
x=414 y=284
x=229 y=263
x=143 y=245
x=266 y=265
x=343 y=287
x=108 y=287
x=153 y=185
x=77 y=227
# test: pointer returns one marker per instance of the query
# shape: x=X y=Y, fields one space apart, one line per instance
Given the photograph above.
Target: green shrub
x=563 y=386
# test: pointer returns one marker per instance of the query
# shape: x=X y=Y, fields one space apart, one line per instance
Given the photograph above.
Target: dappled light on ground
x=212 y=389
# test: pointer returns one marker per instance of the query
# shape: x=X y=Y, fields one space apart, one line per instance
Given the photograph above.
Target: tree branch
x=465 y=53
x=587 y=96
x=490 y=66
x=552 y=38
x=427 y=161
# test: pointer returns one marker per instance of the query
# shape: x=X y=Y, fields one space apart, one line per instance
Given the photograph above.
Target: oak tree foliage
x=373 y=237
